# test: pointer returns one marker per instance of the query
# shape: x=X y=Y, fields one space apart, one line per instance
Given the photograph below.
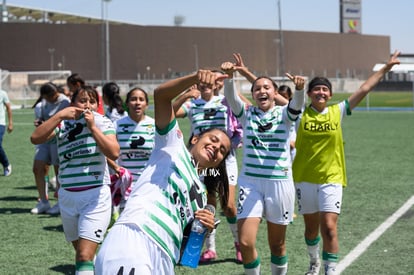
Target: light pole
x=52 y=57
x=281 y=42
x=106 y=69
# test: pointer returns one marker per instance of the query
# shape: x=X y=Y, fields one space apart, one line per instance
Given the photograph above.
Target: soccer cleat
x=7 y=170
x=208 y=256
x=314 y=268
x=41 y=207
x=239 y=258
x=55 y=210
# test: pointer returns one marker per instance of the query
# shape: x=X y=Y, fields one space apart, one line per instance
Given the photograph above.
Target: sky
x=379 y=17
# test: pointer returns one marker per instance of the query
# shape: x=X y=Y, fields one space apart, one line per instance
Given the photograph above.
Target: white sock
x=211 y=241
x=330 y=267
x=84 y=272
x=234 y=231
x=313 y=251
x=279 y=269
x=252 y=271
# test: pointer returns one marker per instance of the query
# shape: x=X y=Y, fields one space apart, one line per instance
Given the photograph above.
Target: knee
x=278 y=249
x=329 y=234
x=246 y=244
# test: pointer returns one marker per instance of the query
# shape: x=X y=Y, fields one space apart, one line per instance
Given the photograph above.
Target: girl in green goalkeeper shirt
x=319 y=166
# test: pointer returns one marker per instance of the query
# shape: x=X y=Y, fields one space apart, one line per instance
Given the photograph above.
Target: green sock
x=84 y=266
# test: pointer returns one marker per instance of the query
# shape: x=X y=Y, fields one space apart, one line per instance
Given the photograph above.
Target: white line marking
x=362 y=246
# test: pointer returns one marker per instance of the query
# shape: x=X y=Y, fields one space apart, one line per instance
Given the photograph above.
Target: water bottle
x=192 y=251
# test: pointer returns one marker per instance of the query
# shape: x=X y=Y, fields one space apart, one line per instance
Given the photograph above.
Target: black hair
x=48 y=89
x=217 y=182
x=320 y=80
x=74 y=79
x=89 y=90
x=215 y=179
x=128 y=96
x=286 y=88
x=266 y=77
x=111 y=92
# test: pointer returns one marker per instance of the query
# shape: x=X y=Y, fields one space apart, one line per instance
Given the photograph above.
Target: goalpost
x=23 y=87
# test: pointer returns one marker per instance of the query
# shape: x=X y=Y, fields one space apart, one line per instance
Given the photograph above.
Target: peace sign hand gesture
x=298 y=80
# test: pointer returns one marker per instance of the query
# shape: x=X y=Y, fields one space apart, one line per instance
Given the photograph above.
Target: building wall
x=159 y=52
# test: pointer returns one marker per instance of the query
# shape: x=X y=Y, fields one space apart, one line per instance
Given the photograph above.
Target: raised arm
x=190 y=93
x=242 y=69
x=233 y=98
x=373 y=80
x=166 y=92
x=45 y=131
x=296 y=104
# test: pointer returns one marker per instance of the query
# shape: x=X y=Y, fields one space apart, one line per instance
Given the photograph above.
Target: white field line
x=362 y=246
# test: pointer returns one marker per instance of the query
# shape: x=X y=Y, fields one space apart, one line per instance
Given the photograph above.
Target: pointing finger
x=291 y=77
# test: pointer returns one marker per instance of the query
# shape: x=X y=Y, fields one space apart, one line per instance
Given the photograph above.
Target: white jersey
x=266 y=151
x=113 y=114
x=167 y=194
x=136 y=141
x=81 y=163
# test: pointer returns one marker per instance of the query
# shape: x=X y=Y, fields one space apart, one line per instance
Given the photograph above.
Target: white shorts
x=85 y=214
x=128 y=250
x=232 y=168
x=314 y=198
x=272 y=199
x=47 y=152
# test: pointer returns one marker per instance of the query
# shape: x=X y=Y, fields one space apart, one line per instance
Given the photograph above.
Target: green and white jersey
x=167 y=193
x=206 y=114
x=266 y=150
x=81 y=163
x=136 y=141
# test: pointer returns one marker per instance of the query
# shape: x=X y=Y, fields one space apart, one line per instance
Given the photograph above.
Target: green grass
x=381 y=99
x=379 y=152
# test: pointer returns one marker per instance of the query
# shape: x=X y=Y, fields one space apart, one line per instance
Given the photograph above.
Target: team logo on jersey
x=179 y=134
x=150 y=129
x=98 y=233
x=210 y=113
x=75 y=131
x=264 y=128
x=258 y=143
x=338 y=204
x=137 y=142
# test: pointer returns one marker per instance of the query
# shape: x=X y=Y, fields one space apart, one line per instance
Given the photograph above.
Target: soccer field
x=379 y=153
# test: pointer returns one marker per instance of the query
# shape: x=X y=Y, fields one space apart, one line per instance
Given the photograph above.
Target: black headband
x=320 y=81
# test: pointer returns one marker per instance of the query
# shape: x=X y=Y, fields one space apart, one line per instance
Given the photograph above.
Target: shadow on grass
x=14 y=210
x=31 y=187
x=15 y=198
x=57 y=228
x=228 y=260
x=64 y=269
